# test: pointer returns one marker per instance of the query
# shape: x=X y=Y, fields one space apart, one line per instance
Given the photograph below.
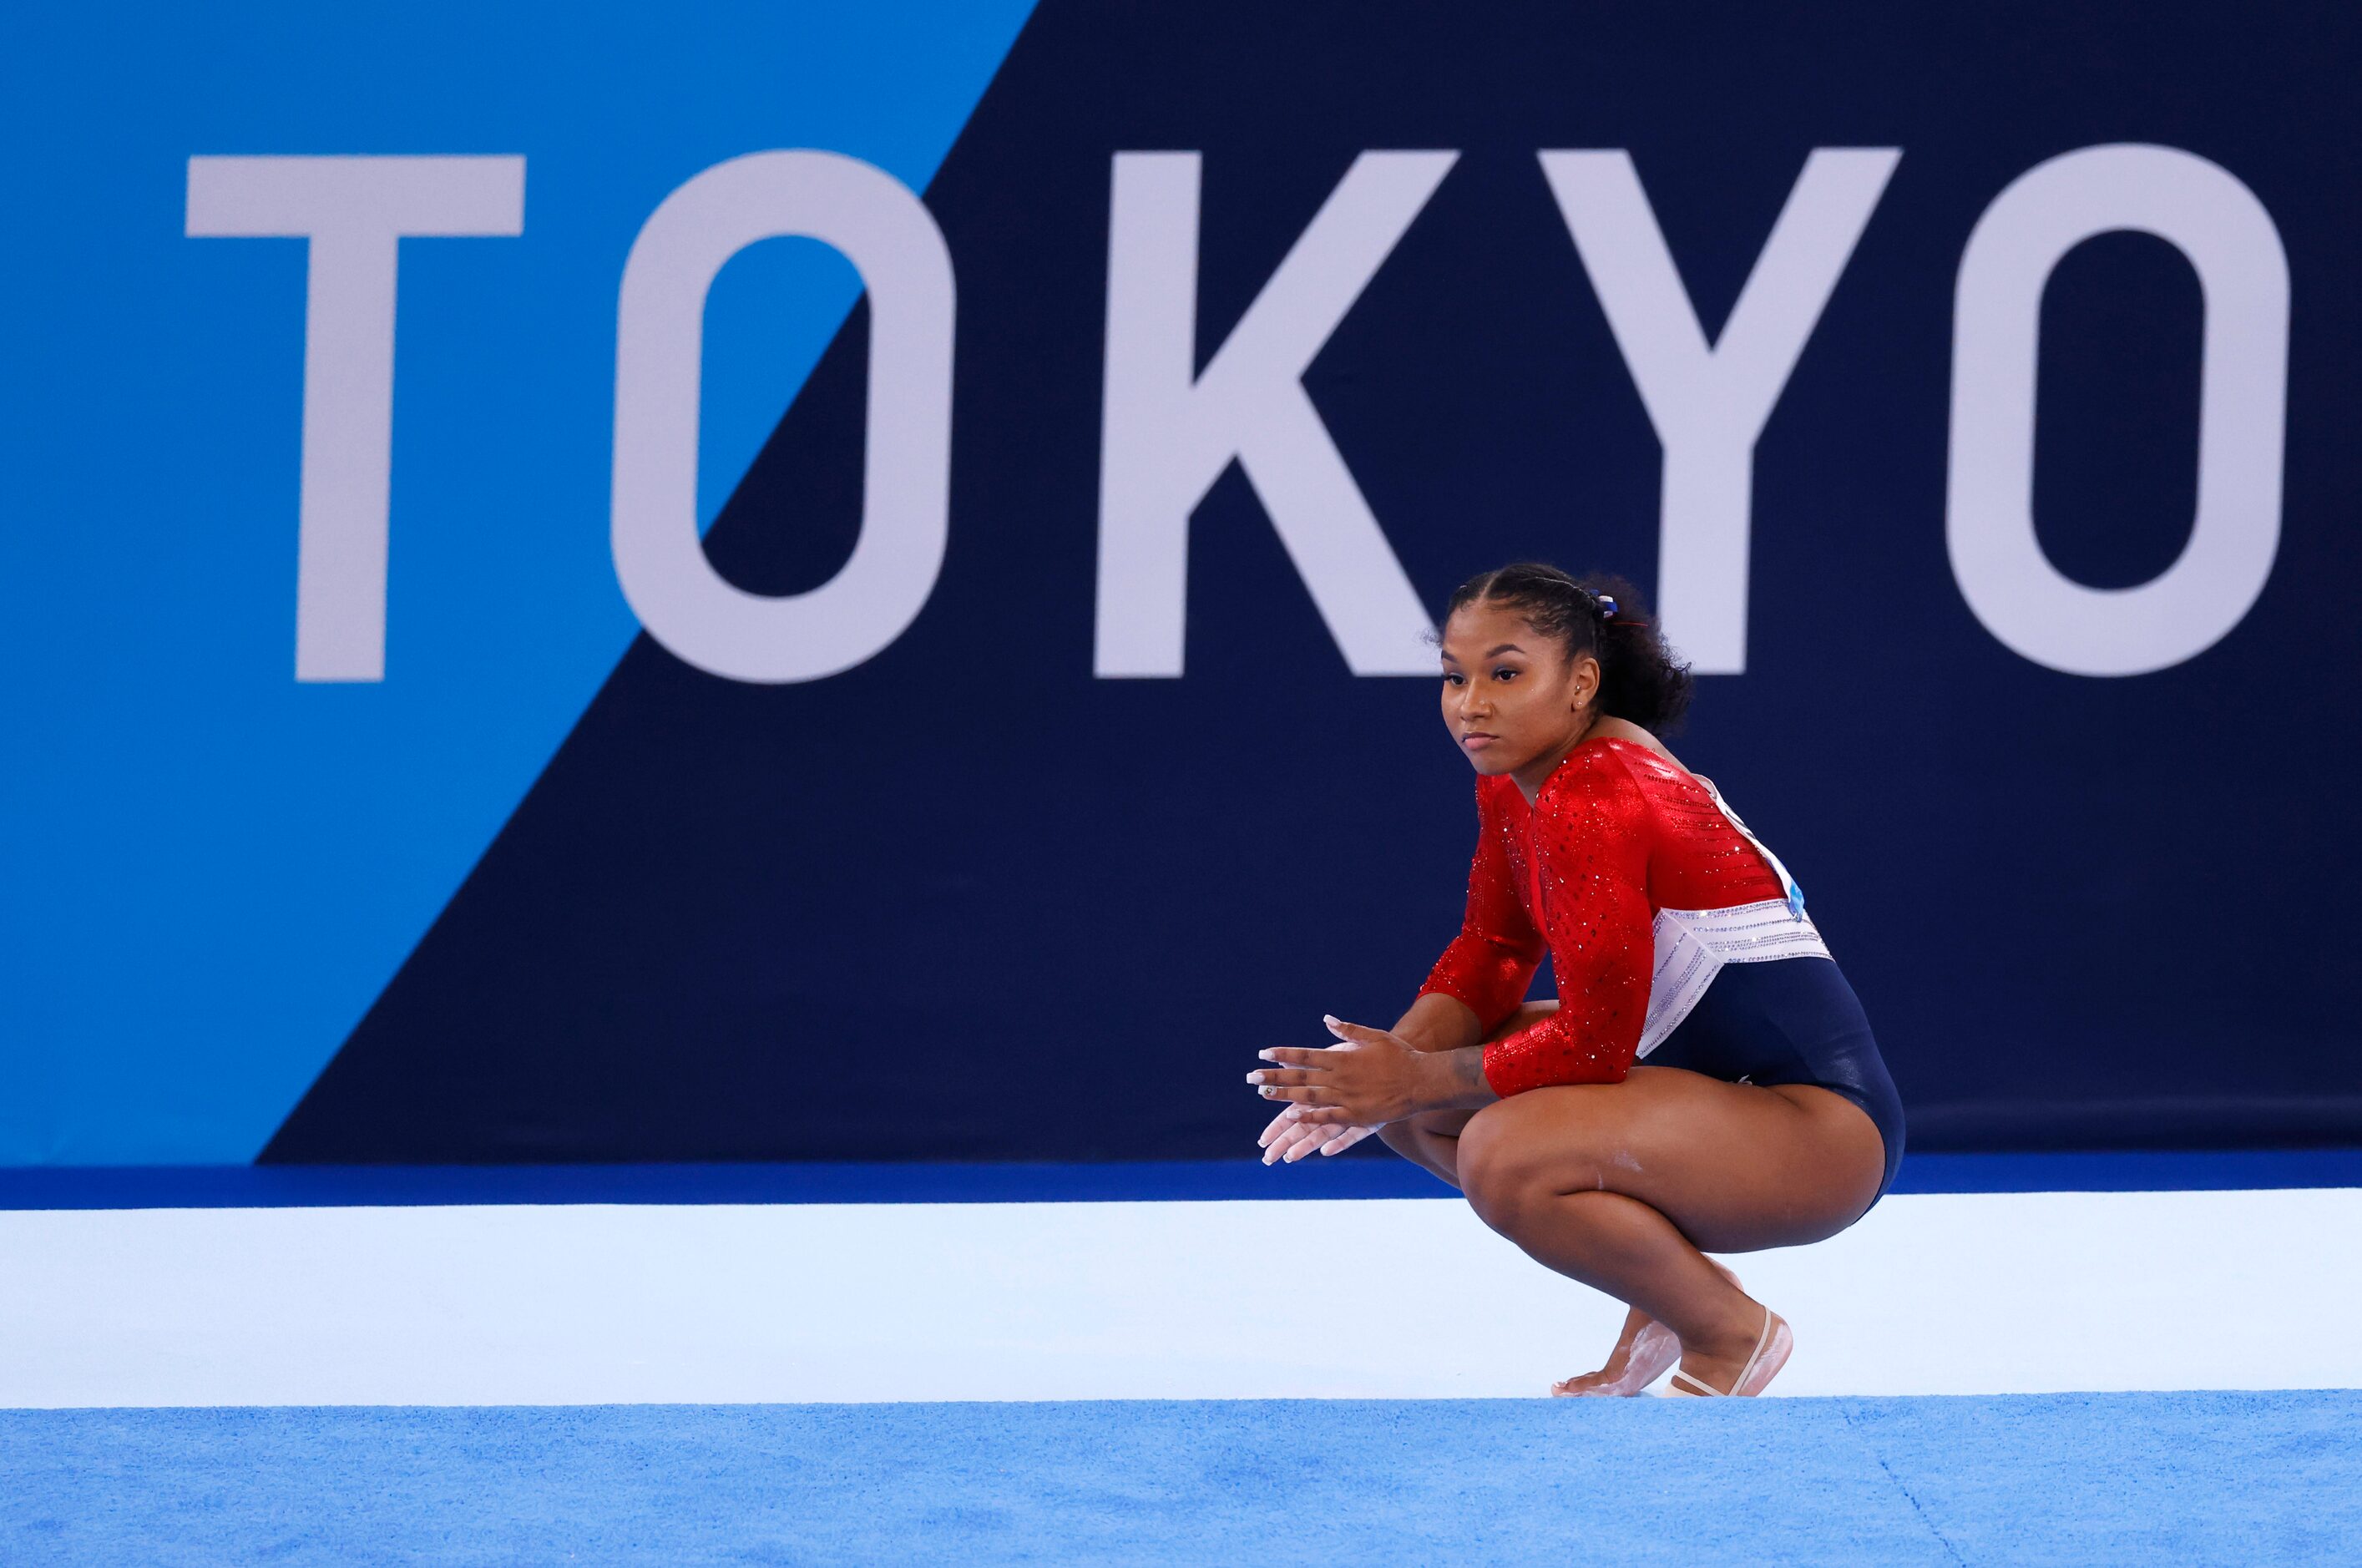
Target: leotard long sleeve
x=1617 y=834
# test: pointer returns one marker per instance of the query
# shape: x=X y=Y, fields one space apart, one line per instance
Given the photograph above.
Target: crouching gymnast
x=1763 y=1116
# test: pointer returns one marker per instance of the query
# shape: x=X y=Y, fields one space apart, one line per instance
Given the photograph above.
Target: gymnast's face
x=1512 y=697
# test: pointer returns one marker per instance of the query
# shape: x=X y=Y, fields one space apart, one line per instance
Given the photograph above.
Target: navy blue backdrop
x=968 y=901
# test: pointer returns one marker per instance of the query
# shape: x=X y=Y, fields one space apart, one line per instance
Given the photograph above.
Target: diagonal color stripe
x=208 y=871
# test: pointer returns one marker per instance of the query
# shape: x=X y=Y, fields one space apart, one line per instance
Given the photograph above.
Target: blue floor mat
x=2130 y=1478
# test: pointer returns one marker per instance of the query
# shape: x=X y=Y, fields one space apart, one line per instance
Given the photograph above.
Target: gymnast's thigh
x=1734 y=1166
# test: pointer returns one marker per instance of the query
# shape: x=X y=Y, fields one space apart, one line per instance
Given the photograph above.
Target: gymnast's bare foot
x=1642 y=1353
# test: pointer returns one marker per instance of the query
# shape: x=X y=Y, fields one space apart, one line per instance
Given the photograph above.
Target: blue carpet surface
x=2244 y=1478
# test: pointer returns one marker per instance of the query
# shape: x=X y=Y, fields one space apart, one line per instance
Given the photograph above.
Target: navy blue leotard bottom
x=1789 y=1021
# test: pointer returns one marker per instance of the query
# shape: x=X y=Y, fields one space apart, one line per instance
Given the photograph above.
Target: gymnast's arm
x=1474 y=987
x=1593 y=832
x=1489 y=967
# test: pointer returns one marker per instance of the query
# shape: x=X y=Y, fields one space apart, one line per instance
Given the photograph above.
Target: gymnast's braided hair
x=1640 y=680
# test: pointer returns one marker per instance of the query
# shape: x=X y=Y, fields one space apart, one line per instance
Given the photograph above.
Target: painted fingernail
x=1268 y=1091
x=1265 y=1057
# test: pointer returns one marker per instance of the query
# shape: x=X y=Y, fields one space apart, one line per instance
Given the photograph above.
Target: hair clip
x=1606 y=603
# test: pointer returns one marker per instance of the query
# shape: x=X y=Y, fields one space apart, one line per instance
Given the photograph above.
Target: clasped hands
x=1338 y=1095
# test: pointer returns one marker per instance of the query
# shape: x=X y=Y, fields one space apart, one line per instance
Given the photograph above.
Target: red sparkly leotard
x=1617 y=834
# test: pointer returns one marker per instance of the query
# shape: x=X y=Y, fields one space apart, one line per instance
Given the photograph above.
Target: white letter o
x=2230 y=240
x=894 y=244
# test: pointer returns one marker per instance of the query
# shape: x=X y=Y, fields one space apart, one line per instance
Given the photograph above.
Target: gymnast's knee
x=1428 y=1146
x=1509 y=1170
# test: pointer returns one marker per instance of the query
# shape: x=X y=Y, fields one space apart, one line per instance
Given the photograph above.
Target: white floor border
x=591 y=1304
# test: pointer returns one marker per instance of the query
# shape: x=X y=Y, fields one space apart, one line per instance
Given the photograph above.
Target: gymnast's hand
x=1290 y=1138
x=1368 y=1078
